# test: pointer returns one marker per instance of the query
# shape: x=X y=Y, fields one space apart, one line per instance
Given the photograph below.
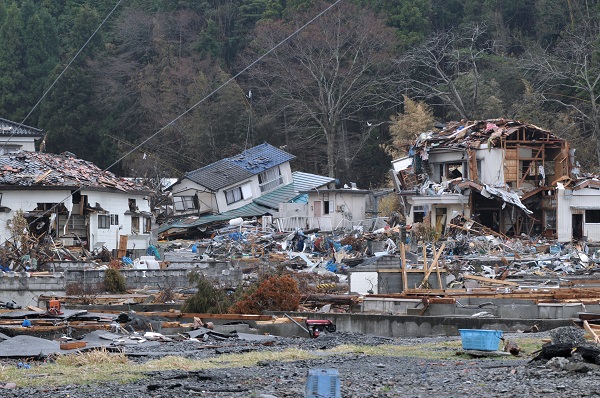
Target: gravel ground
x=360 y=375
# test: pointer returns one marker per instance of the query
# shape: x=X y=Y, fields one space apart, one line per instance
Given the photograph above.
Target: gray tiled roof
x=8 y=128
x=229 y=171
x=219 y=175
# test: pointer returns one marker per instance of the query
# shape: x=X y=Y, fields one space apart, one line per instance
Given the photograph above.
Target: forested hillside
x=209 y=78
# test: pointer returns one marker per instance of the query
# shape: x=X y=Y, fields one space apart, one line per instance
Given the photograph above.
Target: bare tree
x=324 y=79
x=447 y=68
x=570 y=77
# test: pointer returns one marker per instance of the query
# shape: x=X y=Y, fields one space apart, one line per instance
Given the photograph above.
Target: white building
x=17 y=137
x=73 y=202
x=579 y=210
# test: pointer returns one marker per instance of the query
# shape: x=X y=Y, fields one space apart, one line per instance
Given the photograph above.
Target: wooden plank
x=591 y=331
x=490 y=280
x=433 y=264
x=404 y=275
x=122 y=249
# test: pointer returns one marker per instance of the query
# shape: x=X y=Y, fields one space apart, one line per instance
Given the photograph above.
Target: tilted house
x=498 y=173
x=17 y=137
x=71 y=201
x=233 y=182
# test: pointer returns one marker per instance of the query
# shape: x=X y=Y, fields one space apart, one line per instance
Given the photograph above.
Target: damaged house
x=252 y=184
x=71 y=202
x=498 y=173
x=233 y=182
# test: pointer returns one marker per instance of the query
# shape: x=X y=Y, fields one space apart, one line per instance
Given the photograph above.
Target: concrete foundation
x=422 y=326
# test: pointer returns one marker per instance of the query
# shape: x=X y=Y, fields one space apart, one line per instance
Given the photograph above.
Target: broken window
x=114 y=219
x=147 y=225
x=592 y=216
x=185 y=202
x=270 y=179
x=103 y=221
x=454 y=170
x=135 y=225
x=327 y=204
x=418 y=213
x=132 y=205
x=234 y=195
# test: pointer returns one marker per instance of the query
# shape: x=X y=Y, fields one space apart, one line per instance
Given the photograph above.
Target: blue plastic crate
x=323 y=383
x=479 y=339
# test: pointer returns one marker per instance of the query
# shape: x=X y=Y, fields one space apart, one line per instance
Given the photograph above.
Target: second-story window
x=234 y=195
x=270 y=179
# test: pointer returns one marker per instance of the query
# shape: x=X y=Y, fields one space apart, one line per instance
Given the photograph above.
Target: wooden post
x=434 y=263
x=404 y=274
x=439 y=276
x=425 y=256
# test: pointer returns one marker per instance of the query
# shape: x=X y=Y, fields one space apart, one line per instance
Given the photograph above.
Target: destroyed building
x=233 y=182
x=253 y=184
x=71 y=202
x=499 y=173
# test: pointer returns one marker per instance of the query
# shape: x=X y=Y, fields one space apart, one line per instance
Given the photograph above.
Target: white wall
x=114 y=203
x=24 y=143
x=346 y=205
x=569 y=201
x=206 y=198
x=250 y=192
x=117 y=203
x=27 y=201
x=492 y=165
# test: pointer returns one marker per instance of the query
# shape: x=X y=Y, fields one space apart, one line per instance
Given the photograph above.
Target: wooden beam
x=490 y=280
x=434 y=263
x=404 y=275
x=591 y=331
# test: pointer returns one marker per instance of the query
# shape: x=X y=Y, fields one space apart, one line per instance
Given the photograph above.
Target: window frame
x=232 y=191
x=592 y=218
x=135 y=225
x=270 y=179
x=103 y=221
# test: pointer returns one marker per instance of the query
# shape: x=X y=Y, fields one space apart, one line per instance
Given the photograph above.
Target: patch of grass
x=101 y=366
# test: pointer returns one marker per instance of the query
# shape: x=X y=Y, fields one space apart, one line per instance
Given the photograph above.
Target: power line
x=182 y=114
x=227 y=82
x=62 y=73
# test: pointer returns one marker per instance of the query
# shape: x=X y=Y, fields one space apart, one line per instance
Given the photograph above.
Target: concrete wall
x=424 y=326
x=25 y=290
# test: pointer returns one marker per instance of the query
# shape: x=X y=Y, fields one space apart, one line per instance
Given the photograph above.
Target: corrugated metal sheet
x=307 y=181
x=247 y=211
x=289 y=193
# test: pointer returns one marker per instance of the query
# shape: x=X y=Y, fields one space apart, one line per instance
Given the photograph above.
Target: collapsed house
x=498 y=173
x=249 y=185
x=66 y=201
